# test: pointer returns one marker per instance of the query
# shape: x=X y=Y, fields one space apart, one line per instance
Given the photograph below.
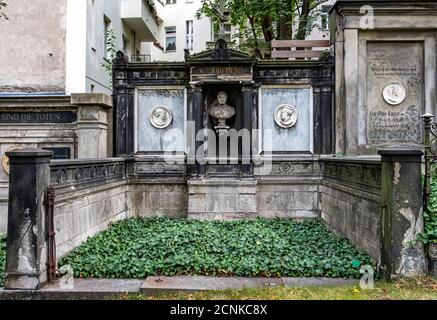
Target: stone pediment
x=221 y=64
x=221 y=54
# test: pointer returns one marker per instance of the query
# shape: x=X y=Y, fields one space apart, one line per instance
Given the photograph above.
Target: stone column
x=94 y=117
x=246 y=150
x=195 y=115
x=26 y=255
x=123 y=108
x=401 y=213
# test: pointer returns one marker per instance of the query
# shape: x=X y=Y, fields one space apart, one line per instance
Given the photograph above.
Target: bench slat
x=296 y=54
x=300 y=43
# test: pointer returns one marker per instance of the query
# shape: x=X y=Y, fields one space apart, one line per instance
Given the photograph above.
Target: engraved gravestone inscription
x=394 y=92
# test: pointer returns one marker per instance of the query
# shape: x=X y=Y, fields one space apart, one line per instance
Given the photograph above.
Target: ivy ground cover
x=137 y=248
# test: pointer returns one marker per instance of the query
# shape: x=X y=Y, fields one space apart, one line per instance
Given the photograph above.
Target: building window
x=189 y=39
x=170 y=39
x=326 y=20
x=170 y=1
x=107 y=28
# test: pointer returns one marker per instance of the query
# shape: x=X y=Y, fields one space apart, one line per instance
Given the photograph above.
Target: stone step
x=188 y=284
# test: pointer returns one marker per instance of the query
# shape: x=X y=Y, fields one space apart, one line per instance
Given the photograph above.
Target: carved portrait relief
x=161 y=117
x=394 y=94
x=286 y=116
x=5 y=160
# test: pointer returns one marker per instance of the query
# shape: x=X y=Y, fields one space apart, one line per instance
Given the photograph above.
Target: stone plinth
x=222 y=199
x=401 y=214
x=93 y=124
x=26 y=245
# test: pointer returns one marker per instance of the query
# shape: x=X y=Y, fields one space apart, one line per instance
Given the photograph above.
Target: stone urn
x=432 y=256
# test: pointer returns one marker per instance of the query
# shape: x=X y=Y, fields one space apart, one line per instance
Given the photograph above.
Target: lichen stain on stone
x=23 y=261
x=397 y=174
x=35 y=230
x=412 y=261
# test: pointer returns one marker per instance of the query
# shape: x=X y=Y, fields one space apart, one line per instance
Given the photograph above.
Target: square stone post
x=195 y=115
x=247 y=88
x=94 y=118
x=401 y=213
x=26 y=255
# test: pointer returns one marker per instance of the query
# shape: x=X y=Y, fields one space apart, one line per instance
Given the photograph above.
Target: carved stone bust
x=286 y=116
x=221 y=111
x=161 y=117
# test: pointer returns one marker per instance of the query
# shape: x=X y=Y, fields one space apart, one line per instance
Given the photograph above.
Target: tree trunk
x=266 y=25
x=285 y=29
x=303 y=22
x=255 y=39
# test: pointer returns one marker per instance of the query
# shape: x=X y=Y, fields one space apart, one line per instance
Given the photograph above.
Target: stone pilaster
x=247 y=88
x=26 y=256
x=195 y=115
x=93 y=124
x=401 y=213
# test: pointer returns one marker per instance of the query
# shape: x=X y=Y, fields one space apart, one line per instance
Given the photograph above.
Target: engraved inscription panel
x=394 y=92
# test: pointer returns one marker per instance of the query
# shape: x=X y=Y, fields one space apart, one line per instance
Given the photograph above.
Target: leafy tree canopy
x=261 y=21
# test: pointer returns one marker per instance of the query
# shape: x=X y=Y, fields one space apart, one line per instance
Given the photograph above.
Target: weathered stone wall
x=34 y=59
x=78 y=124
x=150 y=198
x=31 y=134
x=90 y=194
x=350 y=193
x=85 y=213
x=289 y=187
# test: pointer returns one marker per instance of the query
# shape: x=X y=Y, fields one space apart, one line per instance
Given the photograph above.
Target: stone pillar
x=26 y=255
x=94 y=116
x=123 y=108
x=195 y=114
x=246 y=150
x=401 y=213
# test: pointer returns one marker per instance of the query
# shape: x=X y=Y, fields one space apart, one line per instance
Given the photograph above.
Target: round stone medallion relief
x=286 y=116
x=161 y=117
x=394 y=94
x=5 y=159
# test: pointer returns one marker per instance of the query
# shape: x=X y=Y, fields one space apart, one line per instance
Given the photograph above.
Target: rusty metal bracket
x=50 y=234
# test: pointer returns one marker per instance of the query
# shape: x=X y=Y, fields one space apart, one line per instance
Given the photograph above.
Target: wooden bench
x=298 y=49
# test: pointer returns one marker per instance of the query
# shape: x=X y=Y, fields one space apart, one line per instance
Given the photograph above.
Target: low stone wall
x=89 y=196
x=358 y=197
x=350 y=195
x=157 y=198
x=77 y=127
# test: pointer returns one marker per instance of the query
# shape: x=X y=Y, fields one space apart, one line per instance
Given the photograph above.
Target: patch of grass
x=402 y=289
x=2 y=260
x=137 y=248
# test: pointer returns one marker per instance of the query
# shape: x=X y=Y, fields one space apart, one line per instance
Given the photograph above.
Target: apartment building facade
x=59 y=47
x=180 y=29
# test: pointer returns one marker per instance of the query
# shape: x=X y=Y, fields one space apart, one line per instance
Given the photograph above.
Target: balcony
x=141 y=18
x=141 y=58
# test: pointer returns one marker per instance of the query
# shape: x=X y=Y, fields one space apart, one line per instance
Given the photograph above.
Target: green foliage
x=137 y=248
x=2 y=260
x=263 y=19
x=430 y=217
x=112 y=51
